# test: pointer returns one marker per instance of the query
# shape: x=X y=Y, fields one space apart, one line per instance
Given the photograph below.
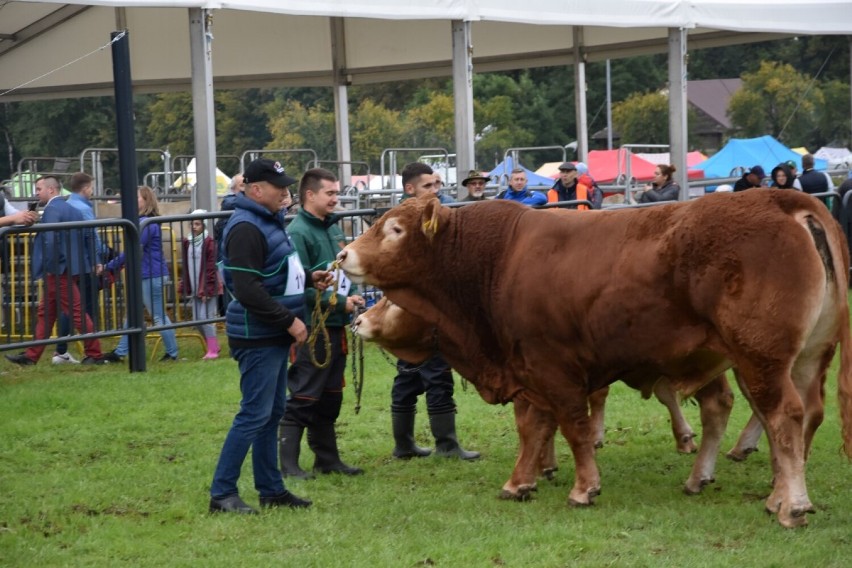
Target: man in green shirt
x=316 y=395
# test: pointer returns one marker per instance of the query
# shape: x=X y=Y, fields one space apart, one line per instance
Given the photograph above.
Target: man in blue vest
x=813 y=181
x=267 y=281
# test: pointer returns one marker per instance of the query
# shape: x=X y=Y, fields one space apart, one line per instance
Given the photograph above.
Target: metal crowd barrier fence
x=24 y=298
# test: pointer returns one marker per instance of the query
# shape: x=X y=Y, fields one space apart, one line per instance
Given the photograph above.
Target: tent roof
x=744 y=153
x=836 y=157
x=605 y=166
x=692 y=158
x=41 y=38
x=786 y=16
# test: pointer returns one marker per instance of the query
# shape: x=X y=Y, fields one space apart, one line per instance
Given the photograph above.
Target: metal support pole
x=200 y=44
x=463 y=101
x=580 y=95
x=341 y=99
x=127 y=175
x=608 y=106
x=678 y=141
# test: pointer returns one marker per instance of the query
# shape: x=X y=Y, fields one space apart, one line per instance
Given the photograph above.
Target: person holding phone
x=9 y=215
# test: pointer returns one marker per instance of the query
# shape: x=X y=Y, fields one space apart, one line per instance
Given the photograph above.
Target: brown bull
x=411 y=338
x=562 y=303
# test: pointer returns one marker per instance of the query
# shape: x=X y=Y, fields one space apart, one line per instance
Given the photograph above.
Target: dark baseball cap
x=268 y=171
x=758 y=171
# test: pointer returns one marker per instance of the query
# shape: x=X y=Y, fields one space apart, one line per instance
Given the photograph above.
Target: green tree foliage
x=373 y=128
x=241 y=123
x=433 y=123
x=729 y=61
x=497 y=130
x=292 y=126
x=60 y=128
x=171 y=123
x=833 y=127
x=642 y=118
x=777 y=100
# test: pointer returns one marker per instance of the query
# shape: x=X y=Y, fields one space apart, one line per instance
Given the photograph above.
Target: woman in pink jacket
x=201 y=281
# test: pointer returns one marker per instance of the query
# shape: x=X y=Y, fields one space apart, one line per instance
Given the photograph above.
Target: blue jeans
x=152 y=299
x=263 y=384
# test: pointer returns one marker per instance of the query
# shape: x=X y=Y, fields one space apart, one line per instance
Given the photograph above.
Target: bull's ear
x=431 y=218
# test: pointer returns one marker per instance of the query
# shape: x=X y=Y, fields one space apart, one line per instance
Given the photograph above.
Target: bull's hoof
x=795 y=518
x=575 y=503
x=693 y=488
x=790 y=515
x=548 y=473
x=739 y=454
x=587 y=499
x=598 y=444
x=687 y=445
x=522 y=494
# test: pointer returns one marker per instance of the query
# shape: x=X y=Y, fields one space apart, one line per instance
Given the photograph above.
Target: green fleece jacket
x=318 y=241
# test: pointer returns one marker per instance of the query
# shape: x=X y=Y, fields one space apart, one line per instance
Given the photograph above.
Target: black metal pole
x=128 y=177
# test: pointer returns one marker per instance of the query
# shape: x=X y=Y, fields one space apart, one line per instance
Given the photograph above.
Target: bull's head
x=400 y=332
x=407 y=231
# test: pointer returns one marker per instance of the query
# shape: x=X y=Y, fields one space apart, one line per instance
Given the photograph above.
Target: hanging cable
x=805 y=94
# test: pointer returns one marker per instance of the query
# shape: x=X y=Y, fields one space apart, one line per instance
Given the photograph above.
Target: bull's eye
x=397 y=230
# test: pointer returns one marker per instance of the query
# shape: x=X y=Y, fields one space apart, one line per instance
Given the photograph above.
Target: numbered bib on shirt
x=343 y=283
x=295 y=276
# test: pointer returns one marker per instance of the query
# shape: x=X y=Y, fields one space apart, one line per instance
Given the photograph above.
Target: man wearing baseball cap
x=267 y=280
x=750 y=179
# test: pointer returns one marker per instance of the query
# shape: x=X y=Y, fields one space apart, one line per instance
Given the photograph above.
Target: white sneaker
x=63 y=359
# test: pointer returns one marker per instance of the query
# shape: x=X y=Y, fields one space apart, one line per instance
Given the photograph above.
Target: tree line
x=795 y=89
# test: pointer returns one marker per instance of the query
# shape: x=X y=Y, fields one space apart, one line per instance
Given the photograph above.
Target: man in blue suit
x=60 y=257
x=82 y=187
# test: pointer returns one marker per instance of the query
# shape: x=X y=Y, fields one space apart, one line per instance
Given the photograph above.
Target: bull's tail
x=844 y=383
x=837 y=269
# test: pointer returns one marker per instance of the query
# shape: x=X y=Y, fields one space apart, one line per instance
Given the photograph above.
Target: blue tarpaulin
x=740 y=154
x=505 y=168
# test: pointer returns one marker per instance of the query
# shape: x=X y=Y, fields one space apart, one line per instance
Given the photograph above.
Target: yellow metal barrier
x=21 y=294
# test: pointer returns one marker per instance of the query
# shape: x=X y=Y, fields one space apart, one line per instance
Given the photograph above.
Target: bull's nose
x=341 y=256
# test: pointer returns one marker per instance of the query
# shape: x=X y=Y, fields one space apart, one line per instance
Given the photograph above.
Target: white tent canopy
x=837 y=158
x=272 y=42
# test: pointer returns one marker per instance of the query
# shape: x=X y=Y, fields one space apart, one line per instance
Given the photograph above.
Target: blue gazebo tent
x=740 y=154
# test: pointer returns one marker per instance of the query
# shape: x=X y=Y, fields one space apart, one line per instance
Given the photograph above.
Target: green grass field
x=99 y=467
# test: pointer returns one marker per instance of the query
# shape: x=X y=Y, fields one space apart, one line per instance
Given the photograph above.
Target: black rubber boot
x=446 y=443
x=323 y=441
x=403 y=436
x=289 y=447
